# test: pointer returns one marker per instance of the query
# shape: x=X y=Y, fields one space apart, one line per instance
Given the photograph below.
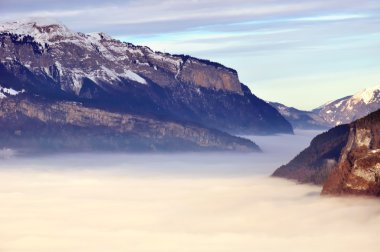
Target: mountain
x=300 y=119
x=315 y=163
x=38 y=125
x=51 y=61
x=345 y=159
x=341 y=111
x=350 y=108
x=358 y=170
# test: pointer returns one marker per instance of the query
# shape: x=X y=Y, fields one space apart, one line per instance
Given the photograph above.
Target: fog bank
x=101 y=211
x=188 y=202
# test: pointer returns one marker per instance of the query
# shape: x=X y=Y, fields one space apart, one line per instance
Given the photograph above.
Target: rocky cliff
x=345 y=160
x=39 y=125
x=358 y=170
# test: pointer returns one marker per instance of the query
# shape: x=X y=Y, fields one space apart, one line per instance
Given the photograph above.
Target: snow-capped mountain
x=49 y=60
x=350 y=108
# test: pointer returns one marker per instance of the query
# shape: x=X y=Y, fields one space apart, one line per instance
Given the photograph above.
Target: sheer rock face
x=345 y=160
x=358 y=171
x=40 y=125
x=52 y=61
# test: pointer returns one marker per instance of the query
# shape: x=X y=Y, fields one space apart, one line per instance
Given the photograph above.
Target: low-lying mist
x=184 y=202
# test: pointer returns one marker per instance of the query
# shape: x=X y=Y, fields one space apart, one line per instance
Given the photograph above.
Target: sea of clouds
x=215 y=202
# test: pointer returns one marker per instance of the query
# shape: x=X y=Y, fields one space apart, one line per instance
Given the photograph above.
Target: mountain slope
x=350 y=108
x=314 y=164
x=345 y=160
x=300 y=119
x=39 y=125
x=52 y=61
x=358 y=170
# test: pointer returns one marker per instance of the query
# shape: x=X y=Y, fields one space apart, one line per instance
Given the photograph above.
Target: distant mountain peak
x=350 y=108
x=367 y=95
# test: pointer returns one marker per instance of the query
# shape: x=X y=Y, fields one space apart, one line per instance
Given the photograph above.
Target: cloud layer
x=110 y=210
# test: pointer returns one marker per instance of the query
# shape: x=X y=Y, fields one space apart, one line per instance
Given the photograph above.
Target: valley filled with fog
x=217 y=202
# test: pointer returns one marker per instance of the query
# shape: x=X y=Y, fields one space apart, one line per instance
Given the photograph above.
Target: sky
x=300 y=53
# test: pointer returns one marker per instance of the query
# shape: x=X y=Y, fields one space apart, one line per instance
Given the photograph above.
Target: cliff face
x=97 y=70
x=68 y=57
x=41 y=125
x=345 y=160
x=358 y=170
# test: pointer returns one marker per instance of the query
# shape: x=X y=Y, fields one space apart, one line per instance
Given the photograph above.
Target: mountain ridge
x=98 y=70
x=350 y=108
x=340 y=111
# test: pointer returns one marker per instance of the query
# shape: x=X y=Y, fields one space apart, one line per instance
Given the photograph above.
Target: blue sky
x=300 y=53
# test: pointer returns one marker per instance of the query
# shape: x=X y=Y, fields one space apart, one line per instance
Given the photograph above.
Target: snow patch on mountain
x=107 y=74
x=135 y=77
x=53 y=33
x=5 y=92
x=42 y=30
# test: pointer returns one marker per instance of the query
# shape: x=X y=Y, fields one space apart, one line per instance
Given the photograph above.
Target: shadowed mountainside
x=37 y=125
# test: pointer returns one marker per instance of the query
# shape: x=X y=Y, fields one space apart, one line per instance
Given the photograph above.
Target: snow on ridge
x=50 y=31
x=326 y=104
x=42 y=30
x=366 y=95
x=176 y=61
